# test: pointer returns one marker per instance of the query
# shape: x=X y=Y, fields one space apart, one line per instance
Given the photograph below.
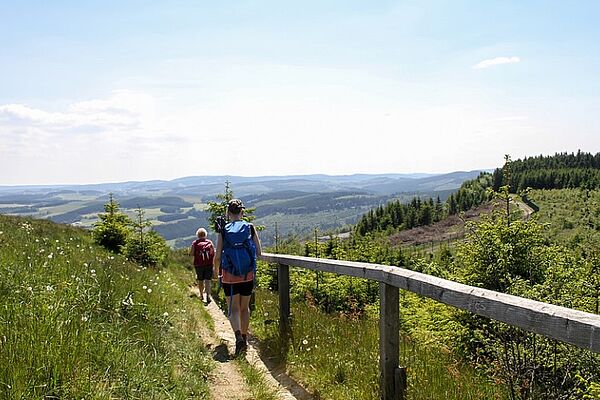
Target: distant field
x=297 y=205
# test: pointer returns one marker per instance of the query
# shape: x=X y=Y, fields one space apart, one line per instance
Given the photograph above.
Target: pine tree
x=113 y=227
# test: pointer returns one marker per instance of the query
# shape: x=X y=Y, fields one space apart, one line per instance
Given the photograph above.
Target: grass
x=572 y=215
x=255 y=379
x=337 y=357
x=79 y=322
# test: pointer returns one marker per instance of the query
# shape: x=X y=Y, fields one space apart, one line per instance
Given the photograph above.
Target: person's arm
x=192 y=249
x=217 y=258
x=256 y=241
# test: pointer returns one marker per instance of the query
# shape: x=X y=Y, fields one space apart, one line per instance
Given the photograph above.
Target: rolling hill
x=296 y=204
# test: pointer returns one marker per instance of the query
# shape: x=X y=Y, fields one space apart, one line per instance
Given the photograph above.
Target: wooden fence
x=566 y=325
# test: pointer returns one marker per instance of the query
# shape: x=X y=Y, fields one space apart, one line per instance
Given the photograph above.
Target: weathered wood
x=283 y=284
x=389 y=341
x=401 y=382
x=570 y=326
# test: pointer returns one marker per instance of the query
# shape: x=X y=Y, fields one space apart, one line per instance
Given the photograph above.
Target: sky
x=111 y=91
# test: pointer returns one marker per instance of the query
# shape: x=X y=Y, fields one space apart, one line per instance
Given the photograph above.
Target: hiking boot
x=240 y=347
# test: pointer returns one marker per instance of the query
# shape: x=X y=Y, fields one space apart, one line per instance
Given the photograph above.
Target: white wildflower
x=50 y=255
x=84 y=318
x=305 y=342
x=149 y=290
x=165 y=314
x=49 y=288
x=144 y=287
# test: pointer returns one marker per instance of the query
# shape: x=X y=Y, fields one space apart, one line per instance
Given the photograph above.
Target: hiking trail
x=226 y=381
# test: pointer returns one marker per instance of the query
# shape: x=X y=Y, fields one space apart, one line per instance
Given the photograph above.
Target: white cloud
x=496 y=61
x=123 y=109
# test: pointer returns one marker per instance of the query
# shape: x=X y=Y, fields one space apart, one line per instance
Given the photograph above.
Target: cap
x=235 y=206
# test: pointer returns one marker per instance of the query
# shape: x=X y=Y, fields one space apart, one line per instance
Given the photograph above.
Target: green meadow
x=77 y=321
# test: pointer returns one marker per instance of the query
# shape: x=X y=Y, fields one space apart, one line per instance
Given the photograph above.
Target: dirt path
x=226 y=381
x=527 y=211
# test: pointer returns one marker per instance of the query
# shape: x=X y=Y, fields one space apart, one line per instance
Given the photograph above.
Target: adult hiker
x=204 y=253
x=238 y=245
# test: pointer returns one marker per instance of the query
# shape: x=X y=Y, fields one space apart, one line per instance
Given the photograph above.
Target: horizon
x=242 y=176
x=127 y=91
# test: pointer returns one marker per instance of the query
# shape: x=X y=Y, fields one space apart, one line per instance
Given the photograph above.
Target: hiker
x=238 y=245
x=204 y=252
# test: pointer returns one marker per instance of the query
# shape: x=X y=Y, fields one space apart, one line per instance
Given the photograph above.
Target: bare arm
x=217 y=258
x=256 y=241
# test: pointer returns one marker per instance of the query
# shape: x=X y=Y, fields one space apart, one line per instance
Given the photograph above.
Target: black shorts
x=204 y=273
x=243 y=288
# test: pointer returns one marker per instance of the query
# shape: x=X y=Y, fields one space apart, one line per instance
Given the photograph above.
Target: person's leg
x=207 y=289
x=244 y=314
x=233 y=305
x=199 y=280
x=199 y=286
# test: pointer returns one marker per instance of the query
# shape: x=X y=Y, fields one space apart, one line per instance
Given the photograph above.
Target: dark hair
x=235 y=206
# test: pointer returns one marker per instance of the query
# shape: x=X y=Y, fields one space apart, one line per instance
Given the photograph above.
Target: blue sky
x=101 y=91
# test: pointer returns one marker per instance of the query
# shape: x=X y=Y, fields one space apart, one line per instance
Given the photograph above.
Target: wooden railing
x=566 y=325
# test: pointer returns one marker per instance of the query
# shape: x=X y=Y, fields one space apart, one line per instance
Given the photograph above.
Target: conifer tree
x=113 y=227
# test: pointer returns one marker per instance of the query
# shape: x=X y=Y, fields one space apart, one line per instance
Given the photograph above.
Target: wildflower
x=49 y=288
x=92 y=271
x=30 y=288
x=50 y=255
x=84 y=318
x=144 y=287
x=85 y=264
x=305 y=342
x=149 y=290
x=165 y=314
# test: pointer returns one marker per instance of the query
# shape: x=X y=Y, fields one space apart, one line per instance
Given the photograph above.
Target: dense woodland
x=397 y=215
x=560 y=171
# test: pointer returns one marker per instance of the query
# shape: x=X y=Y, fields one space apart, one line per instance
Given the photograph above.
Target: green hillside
x=77 y=321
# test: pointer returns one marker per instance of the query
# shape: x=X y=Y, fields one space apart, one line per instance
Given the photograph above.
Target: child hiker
x=204 y=252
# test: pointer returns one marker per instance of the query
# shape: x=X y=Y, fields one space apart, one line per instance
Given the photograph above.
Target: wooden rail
x=566 y=325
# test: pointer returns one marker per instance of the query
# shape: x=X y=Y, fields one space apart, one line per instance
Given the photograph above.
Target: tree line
x=560 y=171
x=397 y=216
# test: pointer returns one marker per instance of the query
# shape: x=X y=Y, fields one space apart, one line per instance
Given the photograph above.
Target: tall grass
x=337 y=357
x=79 y=322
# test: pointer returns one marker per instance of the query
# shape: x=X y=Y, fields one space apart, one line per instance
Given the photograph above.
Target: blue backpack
x=239 y=252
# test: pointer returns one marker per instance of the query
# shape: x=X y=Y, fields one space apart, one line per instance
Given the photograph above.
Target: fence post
x=391 y=382
x=283 y=284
